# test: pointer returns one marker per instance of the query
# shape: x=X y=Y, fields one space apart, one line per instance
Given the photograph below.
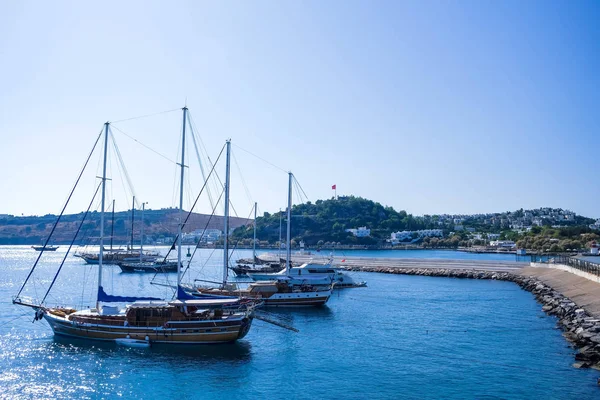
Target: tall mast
x=142 y=232
x=280 y=224
x=289 y=226
x=180 y=227
x=132 y=216
x=112 y=225
x=226 y=217
x=101 y=254
x=254 y=241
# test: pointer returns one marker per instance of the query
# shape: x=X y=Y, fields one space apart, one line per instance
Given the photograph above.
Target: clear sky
x=427 y=106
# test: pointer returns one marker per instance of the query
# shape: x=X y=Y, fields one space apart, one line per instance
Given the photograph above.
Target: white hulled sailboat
x=278 y=292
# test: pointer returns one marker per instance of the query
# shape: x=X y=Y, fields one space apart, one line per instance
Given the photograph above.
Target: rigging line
x=122 y=164
x=203 y=147
x=146 y=146
x=61 y=214
x=239 y=240
x=14 y=319
x=242 y=178
x=72 y=241
x=262 y=159
x=147 y=115
x=203 y=232
x=194 y=205
x=205 y=263
x=300 y=186
x=193 y=134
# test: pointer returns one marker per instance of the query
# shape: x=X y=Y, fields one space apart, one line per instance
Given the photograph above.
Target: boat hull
x=48 y=248
x=168 y=267
x=285 y=299
x=316 y=299
x=203 y=332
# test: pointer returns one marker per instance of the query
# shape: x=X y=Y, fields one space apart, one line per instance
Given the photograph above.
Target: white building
x=508 y=244
x=360 y=232
x=397 y=237
x=202 y=236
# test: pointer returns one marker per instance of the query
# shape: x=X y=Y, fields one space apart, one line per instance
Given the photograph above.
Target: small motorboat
x=47 y=248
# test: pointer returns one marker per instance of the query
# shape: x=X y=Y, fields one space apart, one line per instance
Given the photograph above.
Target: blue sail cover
x=183 y=295
x=107 y=298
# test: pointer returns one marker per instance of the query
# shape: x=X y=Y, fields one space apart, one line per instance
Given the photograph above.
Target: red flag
x=344 y=260
x=333 y=187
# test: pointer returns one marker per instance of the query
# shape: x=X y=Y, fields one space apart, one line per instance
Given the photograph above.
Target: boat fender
x=39 y=314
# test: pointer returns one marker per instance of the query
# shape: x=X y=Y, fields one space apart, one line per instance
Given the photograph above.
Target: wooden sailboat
x=184 y=320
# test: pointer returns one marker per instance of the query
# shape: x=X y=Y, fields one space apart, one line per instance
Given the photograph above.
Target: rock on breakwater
x=580 y=328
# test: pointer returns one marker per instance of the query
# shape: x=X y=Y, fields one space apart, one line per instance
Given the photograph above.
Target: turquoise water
x=402 y=337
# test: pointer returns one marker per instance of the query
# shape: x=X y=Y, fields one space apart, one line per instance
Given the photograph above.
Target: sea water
x=401 y=337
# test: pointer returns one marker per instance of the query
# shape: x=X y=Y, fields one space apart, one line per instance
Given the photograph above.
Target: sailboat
x=244 y=266
x=280 y=292
x=183 y=320
x=129 y=255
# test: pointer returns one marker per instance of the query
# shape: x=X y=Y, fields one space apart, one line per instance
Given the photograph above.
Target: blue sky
x=427 y=106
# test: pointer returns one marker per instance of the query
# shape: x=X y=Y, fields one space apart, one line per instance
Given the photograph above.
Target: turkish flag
x=333 y=187
x=344 y=260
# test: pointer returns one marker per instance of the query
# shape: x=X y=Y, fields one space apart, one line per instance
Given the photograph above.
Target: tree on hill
x=328 y=220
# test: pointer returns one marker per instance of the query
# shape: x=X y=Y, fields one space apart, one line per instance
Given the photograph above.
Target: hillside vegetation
x=157 y=224
x=327 y=220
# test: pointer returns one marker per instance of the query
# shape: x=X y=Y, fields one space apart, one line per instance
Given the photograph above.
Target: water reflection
x=238 y=352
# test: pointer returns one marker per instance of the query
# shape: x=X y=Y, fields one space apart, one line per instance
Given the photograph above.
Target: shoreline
x=580 y=328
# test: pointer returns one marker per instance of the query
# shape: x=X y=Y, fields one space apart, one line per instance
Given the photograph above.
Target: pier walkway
x=584 y=292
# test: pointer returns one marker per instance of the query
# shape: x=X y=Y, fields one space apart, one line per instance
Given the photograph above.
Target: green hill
x=327 y=220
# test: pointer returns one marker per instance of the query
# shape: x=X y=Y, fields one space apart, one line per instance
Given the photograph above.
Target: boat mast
x=254 y=241
x=132 y=215
x=226 y=216
x=179 y=228
x=289 y=226
x=280 y=224
x=101 y=254
x=142 y=232
x=112 y=226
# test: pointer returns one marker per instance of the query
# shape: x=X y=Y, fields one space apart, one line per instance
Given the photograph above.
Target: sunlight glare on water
x=401 y=337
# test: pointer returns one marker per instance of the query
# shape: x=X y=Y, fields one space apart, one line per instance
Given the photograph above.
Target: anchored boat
x=184 y=320
x=311 y=271
x=281 y=291
x=44 y=248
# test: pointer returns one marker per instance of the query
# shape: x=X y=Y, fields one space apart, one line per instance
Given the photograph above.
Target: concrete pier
x=584 y=292
x=409 y=263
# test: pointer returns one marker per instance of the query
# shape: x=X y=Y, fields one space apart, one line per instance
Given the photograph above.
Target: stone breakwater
x=579 y=327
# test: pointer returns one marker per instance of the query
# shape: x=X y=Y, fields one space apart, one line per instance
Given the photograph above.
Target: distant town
x=345 y=222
